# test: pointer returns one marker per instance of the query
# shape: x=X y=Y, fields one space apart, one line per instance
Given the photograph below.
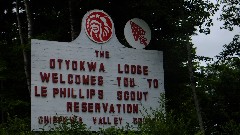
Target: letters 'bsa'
x=99 y=26
x=99 y=85
x=137 y=33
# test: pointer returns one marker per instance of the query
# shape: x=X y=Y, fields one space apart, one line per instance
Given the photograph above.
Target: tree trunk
x=72 y=20
x=24 y=51
x=193 y=87
x=19 y=23
x=29 y=19
x=1 y=101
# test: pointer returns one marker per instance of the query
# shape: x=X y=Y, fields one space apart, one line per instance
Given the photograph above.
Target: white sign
x=100 y=85
x=137 y=33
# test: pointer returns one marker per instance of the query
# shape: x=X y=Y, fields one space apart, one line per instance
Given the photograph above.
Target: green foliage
x=167 y=123
x=231 y=128
x=15 y=125
x=117 y=131
x=219 y=90
x=162 y=123
x=230 y=53
x=230 y=13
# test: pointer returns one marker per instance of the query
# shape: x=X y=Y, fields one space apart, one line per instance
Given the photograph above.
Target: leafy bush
x=231 y=128
x=15 y=125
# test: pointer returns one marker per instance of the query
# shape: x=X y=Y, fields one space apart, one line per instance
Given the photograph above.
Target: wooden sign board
x=101 y=85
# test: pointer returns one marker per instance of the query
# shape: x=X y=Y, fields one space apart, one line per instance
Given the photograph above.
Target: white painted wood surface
x=83 y=49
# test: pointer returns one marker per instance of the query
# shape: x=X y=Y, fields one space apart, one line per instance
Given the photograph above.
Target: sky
x=212 y=44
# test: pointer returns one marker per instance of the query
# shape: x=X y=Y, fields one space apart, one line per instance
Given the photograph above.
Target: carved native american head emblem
x=99 y=26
